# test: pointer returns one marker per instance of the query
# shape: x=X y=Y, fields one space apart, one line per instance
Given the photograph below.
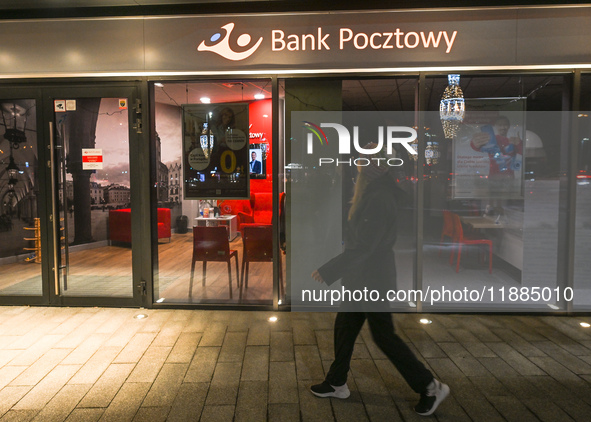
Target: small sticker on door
x=123 y=104
x=70 y=105
x=59 y=106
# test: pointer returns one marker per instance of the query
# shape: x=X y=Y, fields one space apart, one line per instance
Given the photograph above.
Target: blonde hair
x=360 y=186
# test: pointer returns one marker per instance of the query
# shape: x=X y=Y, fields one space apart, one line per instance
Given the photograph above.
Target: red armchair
x=261 y=204
x=120 y=224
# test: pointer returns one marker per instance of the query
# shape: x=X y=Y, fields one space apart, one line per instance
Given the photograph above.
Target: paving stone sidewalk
x=96 y=364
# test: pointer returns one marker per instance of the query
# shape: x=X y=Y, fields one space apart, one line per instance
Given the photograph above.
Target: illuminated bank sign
x=321 y=40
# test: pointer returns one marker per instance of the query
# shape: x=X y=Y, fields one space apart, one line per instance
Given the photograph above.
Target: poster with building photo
x=488 y=150
x=215 y=151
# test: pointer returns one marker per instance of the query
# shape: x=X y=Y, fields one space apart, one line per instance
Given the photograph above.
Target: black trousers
x=346 y=329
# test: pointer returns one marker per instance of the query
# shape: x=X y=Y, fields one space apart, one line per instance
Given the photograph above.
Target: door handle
x=54 y=217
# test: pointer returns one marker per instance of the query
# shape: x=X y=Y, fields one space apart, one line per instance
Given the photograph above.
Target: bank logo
x=223 y=48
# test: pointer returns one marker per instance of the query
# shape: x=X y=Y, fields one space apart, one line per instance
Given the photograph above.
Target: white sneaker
x=327 y=390
x=432 y=398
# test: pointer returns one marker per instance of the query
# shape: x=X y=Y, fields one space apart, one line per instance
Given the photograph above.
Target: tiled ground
x=91 y=364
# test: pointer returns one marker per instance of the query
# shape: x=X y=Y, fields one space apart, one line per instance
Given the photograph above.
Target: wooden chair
x=459 y=239
x=258 y=247
x=448 y=228
x=211 y=244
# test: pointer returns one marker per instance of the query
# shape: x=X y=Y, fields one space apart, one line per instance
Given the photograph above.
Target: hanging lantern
x=12 y=169
x=452 y=107
x=10 y=116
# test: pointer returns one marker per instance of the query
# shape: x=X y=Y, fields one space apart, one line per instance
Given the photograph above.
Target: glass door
x=90 y=133
x=22 y=221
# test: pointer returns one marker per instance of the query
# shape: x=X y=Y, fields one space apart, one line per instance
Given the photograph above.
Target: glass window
x=214 y=169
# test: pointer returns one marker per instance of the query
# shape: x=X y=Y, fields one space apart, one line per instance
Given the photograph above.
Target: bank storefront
x=210 y=160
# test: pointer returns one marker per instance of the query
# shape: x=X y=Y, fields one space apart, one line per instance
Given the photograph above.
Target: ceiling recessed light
x=141 y=316
x=425 y=321
x=585 y=325
x=158 y=84
x=205 y=100
x=273 y=319
x=259 y=96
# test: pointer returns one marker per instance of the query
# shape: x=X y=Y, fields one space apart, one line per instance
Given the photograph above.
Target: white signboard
x=92 y=159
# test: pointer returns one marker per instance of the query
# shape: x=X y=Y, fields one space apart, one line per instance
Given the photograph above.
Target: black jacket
x=368 y=258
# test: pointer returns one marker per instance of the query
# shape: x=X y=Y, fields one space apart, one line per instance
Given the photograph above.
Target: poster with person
x=488 y=150
x=215 y=151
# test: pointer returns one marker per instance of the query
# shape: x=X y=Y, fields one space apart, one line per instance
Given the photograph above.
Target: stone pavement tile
x=127 y=402
x=252 y=401
x=9 y=373
x=169 y=334
x=19 y=416
x=85 y=415
x=518 y=343
x=511 y=409
x=468 y=364
x=449 y=411
x=203 y=364
x=312 y=408
x=572 y=362
x=545 y=410
x=44 y=365
x=255 y=366
x=151 y=414
x=515 y=359
x=463 y=335
x=360 y=351
x=85 y=349
x=20 y=323
x=239 y=321
x=525 y=328
x=562 y=375
x=303 y=333
x=82 y=331
x=308 y=363
x=218 y=413
x=567 y=343
x=155 y=321
x=324 y=339
x=9 y=396
x=284 y=412
x=426 y=347
x=95 y=366
x=184 y=348
x=47 y=388
x=103 y=391
x=29 y=338
x=283 y=322
x=481 y=331
x=283 y=386
x=490 y=386
x=568 y=326
x=437 y=331
x=472 y=401
x=62 y=404
x=74 y=321
x=374 y=393
x=224 y=384
x=259 y=334
x=150 y=364
x=445 y=369
x=36 y=350
x=576 y=409
x=6 y=341
x=166 y=386
x=122 y=335
x=281 y=346
x=198 y=321
x=119 y=319
x=549 y=387
x=498 y=367
x=188 y=403
x=135 y=348
x=351 y=409
x=478 y=349
x=182 y=315
x=214 y=334
x=233 y=347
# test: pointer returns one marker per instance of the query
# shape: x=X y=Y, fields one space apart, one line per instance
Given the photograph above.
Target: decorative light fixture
x=12 y=169
x=259 y=96
x=452 y=107
x=13 y=134
x=205 y=100
x=206 y=139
